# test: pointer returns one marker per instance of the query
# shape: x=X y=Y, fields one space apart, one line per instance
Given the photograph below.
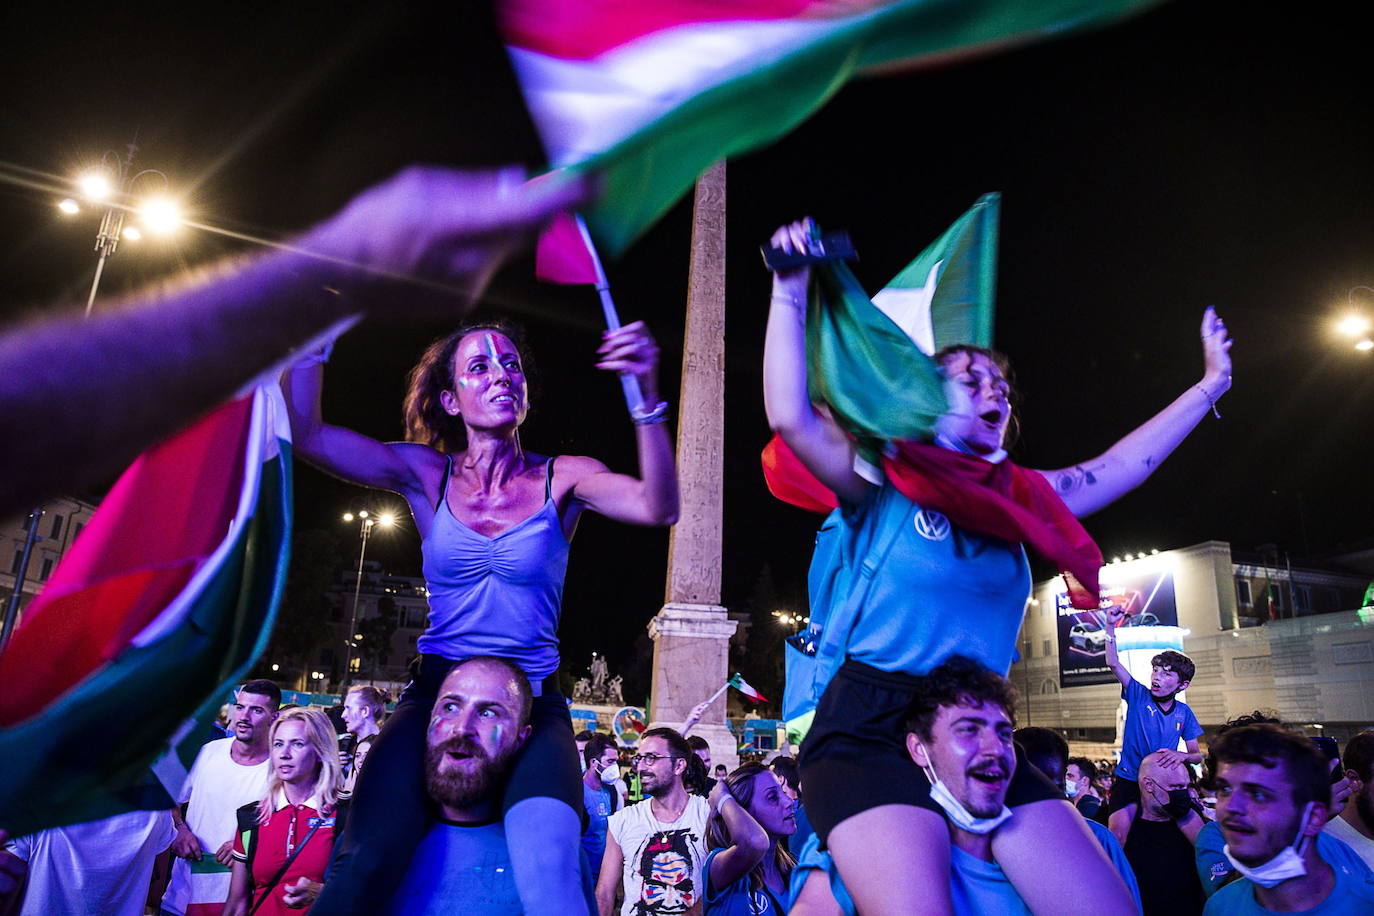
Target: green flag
x=869 y=360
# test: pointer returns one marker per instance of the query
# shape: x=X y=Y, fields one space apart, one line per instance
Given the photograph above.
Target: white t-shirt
x=663 y=861
x=100 y=867
x=216 y=788
x=1340 y=828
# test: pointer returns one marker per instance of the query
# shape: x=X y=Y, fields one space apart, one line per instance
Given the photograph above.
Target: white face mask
x=610 y=774
x=1286 y=865
x=960 y=816
x=1070 y=789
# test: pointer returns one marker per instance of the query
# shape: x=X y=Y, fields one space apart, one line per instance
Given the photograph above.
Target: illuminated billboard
x=1145 y=590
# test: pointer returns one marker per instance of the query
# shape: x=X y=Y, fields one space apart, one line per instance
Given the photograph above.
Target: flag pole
x=634 y=398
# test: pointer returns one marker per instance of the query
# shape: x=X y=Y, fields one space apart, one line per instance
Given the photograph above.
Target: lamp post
x=159 y=213
x=111 y=185
x=365 y=523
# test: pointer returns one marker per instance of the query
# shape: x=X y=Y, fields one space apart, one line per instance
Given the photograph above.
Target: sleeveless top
x=942 y=590
x=497 y=595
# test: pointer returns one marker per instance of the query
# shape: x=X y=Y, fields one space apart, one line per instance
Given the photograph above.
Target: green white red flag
x=648 y=95
x=156 y=611
x=738 y=682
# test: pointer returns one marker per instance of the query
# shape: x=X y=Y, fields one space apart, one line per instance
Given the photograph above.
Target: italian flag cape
x=162 y=604
x=869 y=364
x=648 y=94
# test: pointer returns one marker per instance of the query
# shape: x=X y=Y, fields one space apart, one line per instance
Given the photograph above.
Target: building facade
x=1290 y=641
x=62 y=519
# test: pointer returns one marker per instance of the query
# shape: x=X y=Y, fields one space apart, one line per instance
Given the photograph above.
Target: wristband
x=1211 y=401
x=648 y=417
x=787 y=300
x=725 y=796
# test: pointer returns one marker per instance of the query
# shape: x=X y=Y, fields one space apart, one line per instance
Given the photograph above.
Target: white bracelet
x=1211 y=401
x=787 y=300
x=648 y=417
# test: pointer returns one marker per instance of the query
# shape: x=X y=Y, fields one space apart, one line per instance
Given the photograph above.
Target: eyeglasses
x=650 y=759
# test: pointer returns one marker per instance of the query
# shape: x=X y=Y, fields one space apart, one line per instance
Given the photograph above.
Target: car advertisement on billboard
x=1147 y=596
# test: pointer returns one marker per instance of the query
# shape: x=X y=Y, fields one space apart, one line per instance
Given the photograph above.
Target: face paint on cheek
x=464 y=383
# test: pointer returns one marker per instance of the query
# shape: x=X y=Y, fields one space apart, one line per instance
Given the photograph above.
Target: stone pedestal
x=692 y=632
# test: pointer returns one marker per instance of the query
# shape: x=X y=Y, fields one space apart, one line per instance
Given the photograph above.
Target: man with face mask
x=599 y=796
x=1159 y=843
x=1273 y=797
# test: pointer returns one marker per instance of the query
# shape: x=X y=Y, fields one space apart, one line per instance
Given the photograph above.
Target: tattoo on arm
x=1149 y=462
x=1077 y=478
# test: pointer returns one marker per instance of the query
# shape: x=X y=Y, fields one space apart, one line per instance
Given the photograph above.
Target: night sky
x=1201 y=153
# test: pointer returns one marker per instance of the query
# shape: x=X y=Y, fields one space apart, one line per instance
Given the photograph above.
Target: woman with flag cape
x=927 y=536
x=495 y=522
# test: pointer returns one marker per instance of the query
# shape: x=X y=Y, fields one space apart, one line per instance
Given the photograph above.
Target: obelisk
x=691 y=633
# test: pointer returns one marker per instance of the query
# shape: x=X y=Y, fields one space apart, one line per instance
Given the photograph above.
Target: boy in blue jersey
x=1155 y=721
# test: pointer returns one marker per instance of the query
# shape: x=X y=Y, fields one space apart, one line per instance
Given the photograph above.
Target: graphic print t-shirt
x=663 y=860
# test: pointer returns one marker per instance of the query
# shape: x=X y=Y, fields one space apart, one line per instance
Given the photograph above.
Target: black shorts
x=1124 y=792
x=854 y=757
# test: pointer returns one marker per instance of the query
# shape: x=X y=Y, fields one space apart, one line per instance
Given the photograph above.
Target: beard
x=461 y=788
x=1364 y=807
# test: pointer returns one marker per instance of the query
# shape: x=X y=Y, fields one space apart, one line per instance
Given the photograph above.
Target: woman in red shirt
x=293 y=825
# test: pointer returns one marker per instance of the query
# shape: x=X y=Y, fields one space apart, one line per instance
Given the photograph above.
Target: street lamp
x=111 y=186
x=1356 y=324
x=366 y=521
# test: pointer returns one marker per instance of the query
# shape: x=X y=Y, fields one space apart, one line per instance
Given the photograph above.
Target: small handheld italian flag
x=738 y=682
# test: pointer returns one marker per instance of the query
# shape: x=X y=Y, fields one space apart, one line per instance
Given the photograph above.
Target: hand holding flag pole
x=634 y=398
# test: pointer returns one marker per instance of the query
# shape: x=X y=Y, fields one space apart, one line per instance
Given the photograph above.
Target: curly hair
x=959 y=681
x=1176 y=662
x=1273 y=747
x=426 y=420
x=740 y=784
x=943 y=356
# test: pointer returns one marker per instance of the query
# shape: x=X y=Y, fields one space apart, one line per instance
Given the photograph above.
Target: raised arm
x=651 y=498
x=97 y=392
x=1100 y=481
x=816 y=440
x=1112 y=618
x=750 y=840
x=399 y=466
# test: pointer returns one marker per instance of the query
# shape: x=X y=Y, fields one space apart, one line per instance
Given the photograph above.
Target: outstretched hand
x=444 y=228
x=632 y=349
x=1216 y=354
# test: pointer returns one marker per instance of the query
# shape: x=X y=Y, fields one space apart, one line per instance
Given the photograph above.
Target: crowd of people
x=1269 y=823
x=913 y=792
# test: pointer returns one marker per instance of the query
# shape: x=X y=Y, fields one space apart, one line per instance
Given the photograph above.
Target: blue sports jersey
x=942 y=590
x=1213 y=868
x=1353 y=895
x=976 y=887
x=1149 y=729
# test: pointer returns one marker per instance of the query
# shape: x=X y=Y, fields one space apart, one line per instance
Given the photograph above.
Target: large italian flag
x=162 y=604
x=649 y=94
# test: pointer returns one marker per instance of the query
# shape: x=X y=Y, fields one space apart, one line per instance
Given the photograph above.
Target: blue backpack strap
x=834 y=641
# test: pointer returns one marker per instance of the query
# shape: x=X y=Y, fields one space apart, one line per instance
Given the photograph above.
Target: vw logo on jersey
x=932 y=525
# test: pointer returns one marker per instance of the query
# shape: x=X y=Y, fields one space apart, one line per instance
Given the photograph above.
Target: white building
x=1312 y=666
x=63 y=519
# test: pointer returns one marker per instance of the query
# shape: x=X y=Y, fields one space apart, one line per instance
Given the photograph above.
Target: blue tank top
x=941 y=591
x=500 y=595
